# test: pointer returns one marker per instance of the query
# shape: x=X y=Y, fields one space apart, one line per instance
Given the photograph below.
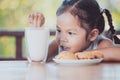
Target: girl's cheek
x=57 y=38
x=57 y=35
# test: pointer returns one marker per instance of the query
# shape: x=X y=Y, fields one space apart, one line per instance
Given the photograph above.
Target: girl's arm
x=52 y=50
x=110 y=51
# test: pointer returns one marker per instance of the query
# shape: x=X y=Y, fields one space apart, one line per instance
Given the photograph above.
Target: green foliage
x=116 y=18
x=7 y=47
x=13 y=14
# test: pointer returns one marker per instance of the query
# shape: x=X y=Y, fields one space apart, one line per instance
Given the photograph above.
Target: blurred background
x=14 y=13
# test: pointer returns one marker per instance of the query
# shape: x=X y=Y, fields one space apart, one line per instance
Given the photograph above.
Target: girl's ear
x=93 y=34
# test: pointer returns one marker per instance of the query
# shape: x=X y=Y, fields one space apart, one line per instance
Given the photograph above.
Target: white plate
x=78 y=62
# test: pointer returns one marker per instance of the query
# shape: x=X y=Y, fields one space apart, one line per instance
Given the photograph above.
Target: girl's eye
x=71 y=33
x=58 y=30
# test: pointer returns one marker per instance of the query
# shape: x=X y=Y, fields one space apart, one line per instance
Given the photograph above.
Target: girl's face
x=70 y=36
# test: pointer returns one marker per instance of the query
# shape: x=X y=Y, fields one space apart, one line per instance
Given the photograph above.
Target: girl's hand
x=36 y=19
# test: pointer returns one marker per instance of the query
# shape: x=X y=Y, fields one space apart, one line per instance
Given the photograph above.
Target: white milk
x=37 y=43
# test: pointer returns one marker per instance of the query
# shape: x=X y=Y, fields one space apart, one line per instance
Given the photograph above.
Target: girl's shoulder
x=100 y=42
x=104 y=42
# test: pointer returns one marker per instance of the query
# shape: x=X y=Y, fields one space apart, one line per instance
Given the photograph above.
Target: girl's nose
x=63 y=38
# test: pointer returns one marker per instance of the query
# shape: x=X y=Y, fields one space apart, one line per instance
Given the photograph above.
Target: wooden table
x=22 y=70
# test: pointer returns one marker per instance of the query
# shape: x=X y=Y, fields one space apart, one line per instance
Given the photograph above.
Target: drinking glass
x=37 y=41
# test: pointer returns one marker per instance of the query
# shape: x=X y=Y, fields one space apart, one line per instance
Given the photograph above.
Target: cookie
x=66 y=55
x=84 y=55
x=89 y=55
x=97 y=54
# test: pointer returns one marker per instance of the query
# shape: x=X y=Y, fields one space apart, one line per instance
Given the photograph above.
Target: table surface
x=22 y=70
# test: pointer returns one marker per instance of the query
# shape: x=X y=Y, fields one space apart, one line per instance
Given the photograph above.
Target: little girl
x=79 y=27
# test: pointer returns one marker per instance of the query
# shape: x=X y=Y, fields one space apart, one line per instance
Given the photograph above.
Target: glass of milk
x=37 y=40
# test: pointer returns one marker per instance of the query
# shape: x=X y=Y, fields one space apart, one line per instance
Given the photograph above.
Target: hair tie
x=68 y=0
x=102 y=11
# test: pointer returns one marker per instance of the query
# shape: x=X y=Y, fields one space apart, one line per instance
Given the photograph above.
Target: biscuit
x=97 y=54
x=84 y=55
x=89 y=55
x=66 y=55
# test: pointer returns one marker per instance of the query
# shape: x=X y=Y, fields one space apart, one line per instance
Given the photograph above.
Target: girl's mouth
x=63 y=48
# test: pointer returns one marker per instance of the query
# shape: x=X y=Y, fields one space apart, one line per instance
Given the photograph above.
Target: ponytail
x=111 y=32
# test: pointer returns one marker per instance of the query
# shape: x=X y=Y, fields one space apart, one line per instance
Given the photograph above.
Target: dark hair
x=88 y=12
x=111 y=32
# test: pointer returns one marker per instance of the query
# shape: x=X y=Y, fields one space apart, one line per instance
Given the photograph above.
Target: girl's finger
x=34 y=20
x=30 y=19
x=40 y=20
